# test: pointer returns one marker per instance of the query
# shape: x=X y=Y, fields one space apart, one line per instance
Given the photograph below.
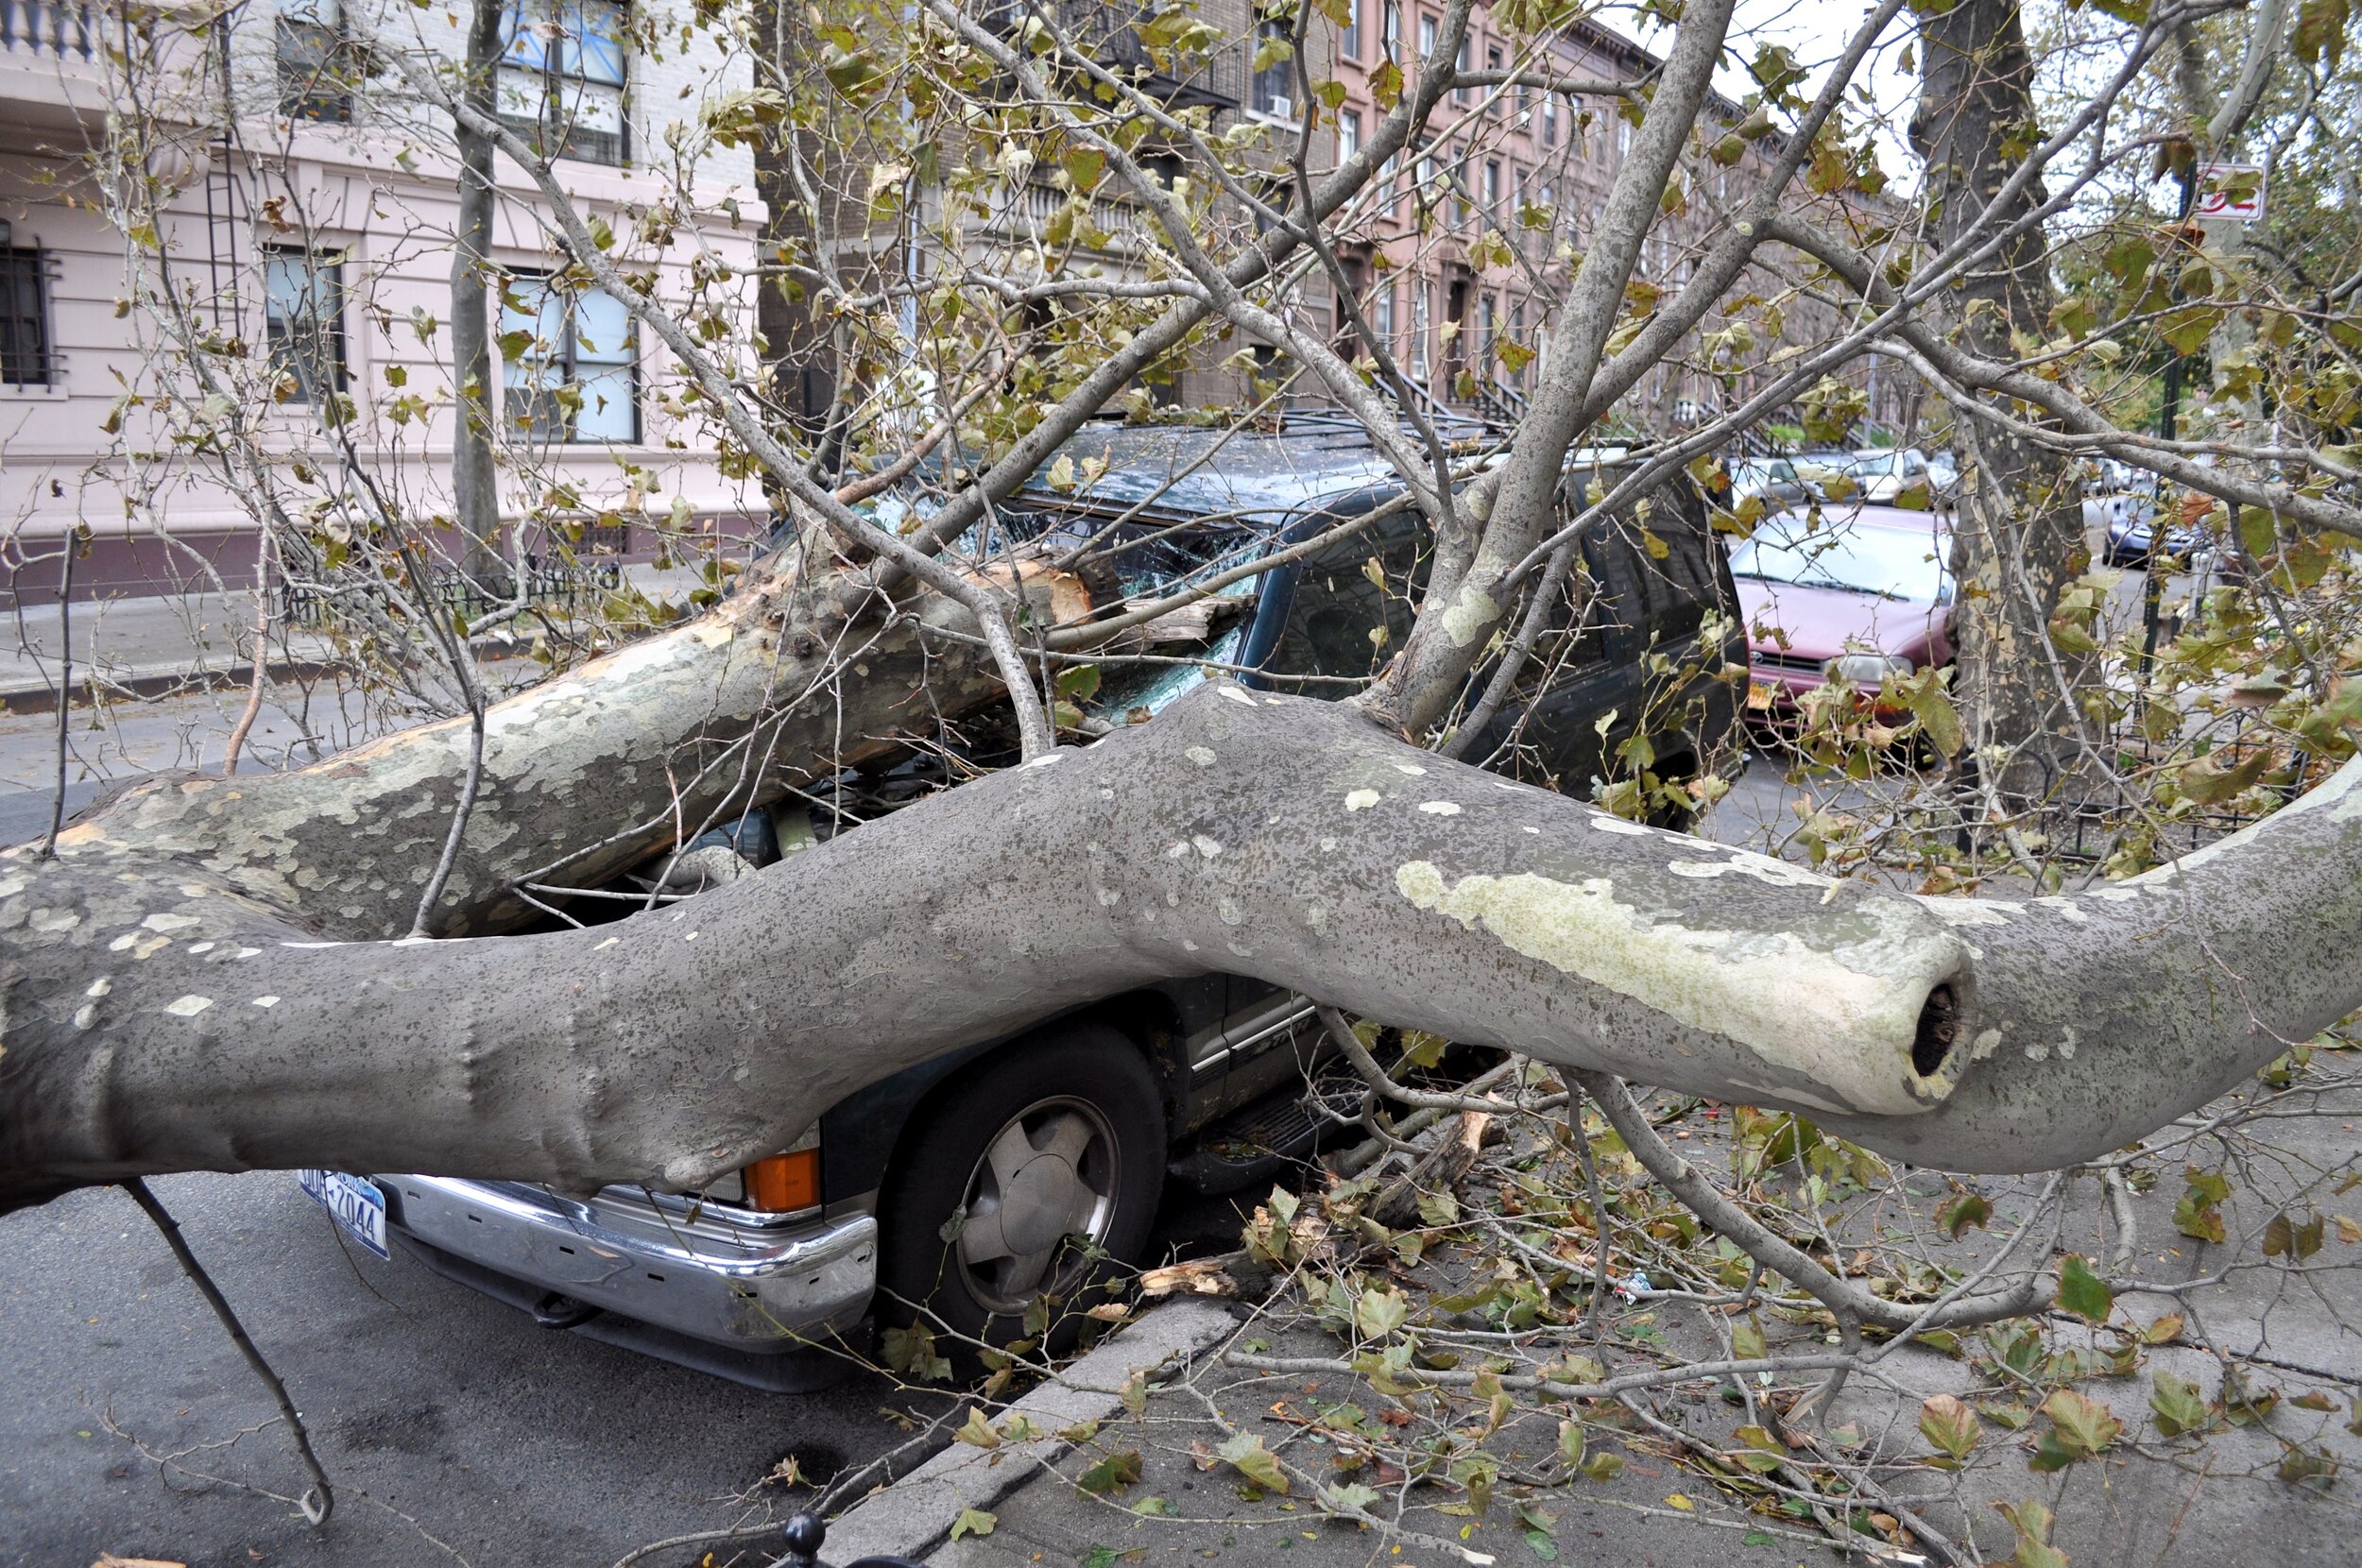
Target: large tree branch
x=154 y=1023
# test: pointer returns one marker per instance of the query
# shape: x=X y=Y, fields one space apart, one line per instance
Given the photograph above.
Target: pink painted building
x=303 y=230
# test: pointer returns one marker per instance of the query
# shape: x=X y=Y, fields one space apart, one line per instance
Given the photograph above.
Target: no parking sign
x=2229 y=193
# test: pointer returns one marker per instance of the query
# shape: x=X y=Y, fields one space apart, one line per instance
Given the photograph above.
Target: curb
x=913 y=1516
x=158 y=680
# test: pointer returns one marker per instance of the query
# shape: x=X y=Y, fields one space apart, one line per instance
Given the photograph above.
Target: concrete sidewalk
x=143 y=646
x=1152 y=1487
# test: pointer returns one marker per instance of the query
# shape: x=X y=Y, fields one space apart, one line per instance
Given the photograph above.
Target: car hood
x=1822 y=622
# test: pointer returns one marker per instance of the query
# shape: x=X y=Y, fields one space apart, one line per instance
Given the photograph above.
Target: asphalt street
x=455 y=1429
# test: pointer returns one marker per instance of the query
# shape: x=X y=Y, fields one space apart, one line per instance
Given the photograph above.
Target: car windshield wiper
x=1847 y=588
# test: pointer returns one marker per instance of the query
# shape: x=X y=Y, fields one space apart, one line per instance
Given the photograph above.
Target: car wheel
x=1022 y=1191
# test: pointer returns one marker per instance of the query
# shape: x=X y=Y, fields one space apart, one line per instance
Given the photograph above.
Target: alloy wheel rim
x=1046 y=1177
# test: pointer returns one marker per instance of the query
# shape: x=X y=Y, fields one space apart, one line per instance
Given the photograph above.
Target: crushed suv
x=992 y=1191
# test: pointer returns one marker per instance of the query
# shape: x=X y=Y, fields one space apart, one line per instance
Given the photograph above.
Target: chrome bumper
x=737 y=1287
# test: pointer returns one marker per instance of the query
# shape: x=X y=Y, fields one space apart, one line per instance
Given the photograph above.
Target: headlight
x=1867 y=670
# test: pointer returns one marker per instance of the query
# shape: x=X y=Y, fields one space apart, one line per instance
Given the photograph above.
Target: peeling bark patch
x=266 y=1002
x=1203 y=756
x=1207 y=847
x=1846 y=1018
x=1471 y=615
x=1778 y=873
x=1412 y=768
x=1360 y=799
x=1440 y=807
x=1964 y=912
x=188 y=1007
x=1606 y=823
x=1234 y=694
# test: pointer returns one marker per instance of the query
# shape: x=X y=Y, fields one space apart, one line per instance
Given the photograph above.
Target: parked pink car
x=1865 y=593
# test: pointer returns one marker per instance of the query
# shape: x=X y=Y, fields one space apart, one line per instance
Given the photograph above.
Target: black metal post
x=2168 y=418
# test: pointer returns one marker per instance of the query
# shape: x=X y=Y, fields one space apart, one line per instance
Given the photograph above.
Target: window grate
x=26 y=354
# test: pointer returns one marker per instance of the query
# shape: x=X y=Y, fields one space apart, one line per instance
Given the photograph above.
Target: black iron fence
x=562 y=588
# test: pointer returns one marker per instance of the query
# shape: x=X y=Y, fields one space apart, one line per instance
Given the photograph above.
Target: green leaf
x=1377 y=1313
x=1079 y=682
x=1957 y=1213
x=2188 y=328
x=1246 y=1453
x=2214 y=778
x=1604 y=1466
x=2032 y=1523
x=2321 y=31
x=1747 y=1343
x=1933 y=707
x=1087 y=167
x=1949 y=1426
x=1112 y=1473
x=973 y=1522
x=2178 y=1406
x=2080 y=1429
x=1349 y=1498
x=2083 y=1292
x=976 y=1430
x=2285 y=1238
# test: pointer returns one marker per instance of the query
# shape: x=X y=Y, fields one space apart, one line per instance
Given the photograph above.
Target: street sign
x=2230 y=192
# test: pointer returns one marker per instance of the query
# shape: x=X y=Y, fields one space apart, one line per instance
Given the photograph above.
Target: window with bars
x=571 y=363
x=303 y=318
x=26 y=359
x=563 y=69
x=1350 y=31
x=316 y=61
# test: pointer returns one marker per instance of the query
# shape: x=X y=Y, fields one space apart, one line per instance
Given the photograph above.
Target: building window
x=1550 y=119
x=1276 y=83
x=1390 y=29
x=571 y=363
x=1427 y=27
x=1382 y=313
x=1517 y=335
x=1488 y=316
x=303 y=322
x=1493 y=193
x=1460 y=94
x=1349 y=32
x=315 y=61
x=561 y=78
x=1492 y=63
x=24 y=356
x=1623 y=138
x=1389 y=186
x=1348 y=134
x=1421 y=311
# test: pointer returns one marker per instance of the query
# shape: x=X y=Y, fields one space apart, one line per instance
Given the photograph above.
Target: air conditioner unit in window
x=1283 y=109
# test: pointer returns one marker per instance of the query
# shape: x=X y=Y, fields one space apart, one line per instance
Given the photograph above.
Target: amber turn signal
x=784 y=1183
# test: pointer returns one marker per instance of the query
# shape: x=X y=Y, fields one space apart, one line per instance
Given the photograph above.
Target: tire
x=1012 y=1125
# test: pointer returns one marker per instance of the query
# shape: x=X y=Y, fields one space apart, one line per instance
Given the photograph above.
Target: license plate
x=353 y=1201
x=1759 y=694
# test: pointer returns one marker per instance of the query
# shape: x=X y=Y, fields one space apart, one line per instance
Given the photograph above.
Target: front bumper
x=742 y=1288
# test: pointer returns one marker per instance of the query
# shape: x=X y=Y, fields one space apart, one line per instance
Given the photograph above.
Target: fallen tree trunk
x=585 y=775
x=154 y=1024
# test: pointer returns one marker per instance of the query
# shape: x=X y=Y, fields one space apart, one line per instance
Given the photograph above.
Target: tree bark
x=154 y=1024
x=584 y=775
x=475 y=490
x=2018 y=541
